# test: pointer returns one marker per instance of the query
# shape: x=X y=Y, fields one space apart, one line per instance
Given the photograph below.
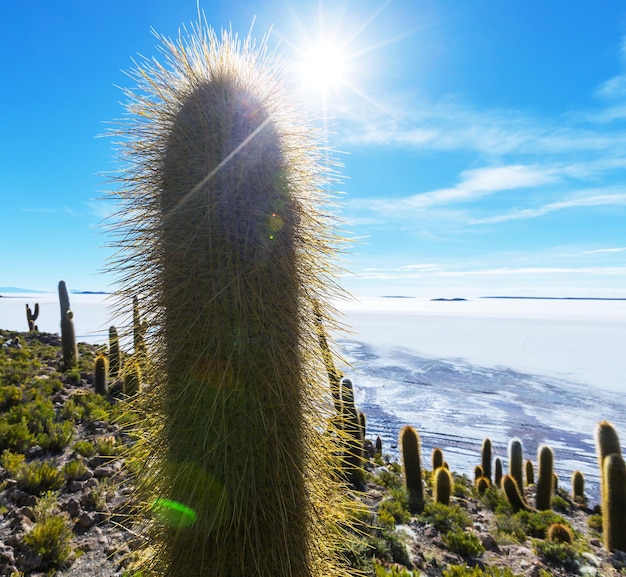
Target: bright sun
x=323 y=67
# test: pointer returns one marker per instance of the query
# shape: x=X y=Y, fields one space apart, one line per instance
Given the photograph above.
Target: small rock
x=75 y=486
x=34 y=452
x=490 y=544
x=28 y=512
x=86 y=519
x=73 y=508
x=591 y=559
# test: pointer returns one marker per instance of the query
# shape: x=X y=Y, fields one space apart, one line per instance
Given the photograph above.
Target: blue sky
x=483 y=143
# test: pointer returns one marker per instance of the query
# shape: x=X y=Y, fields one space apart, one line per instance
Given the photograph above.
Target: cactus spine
x=485 y=460
x=614 y=503
x=68 y=335
x=412 y=461
x=115 y=363
x=101 y=369
x=516 y=462
x=31 y=317
x=545 y=478
x=442 y=486
x=225 y=238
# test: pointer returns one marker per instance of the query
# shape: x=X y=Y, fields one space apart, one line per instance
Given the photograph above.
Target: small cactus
x=497 y=475
x=516 y=460
x=486 y=452
x=115 y=363
x=578 y=487
x=478 y=472
x=530 y=472
x=559 y=533
x=132 y=379
x=545 y=478
x=68 y=335
x=412 y=461
x=482 y=484
x=514 y=494
x=31 y=317
x=101 y=369
x=442 y=486
x=614 y=503
x=436 y=458
x=379 y=446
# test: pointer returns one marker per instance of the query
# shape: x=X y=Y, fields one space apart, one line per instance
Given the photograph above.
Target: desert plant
x=446 y=518
x=545 y=478
x=614 y=503
x=31 y=317
x=351 y=433
x=513 y=493
x=132 y=379
x=607 y=442
x=485 y=460
x=530 y=472
x=478 y=473
x=379 y=446
x=463 y=543
x=516 y=462
x=497 y=475
x=436 y=458
x=68 y=335
x=412 y=462
x=482 y=484
x=559 y=533
x=50 y=539
x=38 y=476
x=225 y=238
x=442 y=485
x=101 y=369
x=115 y=359
x=578 y=488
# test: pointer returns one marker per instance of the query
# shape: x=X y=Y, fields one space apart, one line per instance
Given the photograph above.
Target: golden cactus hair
x=224 y=233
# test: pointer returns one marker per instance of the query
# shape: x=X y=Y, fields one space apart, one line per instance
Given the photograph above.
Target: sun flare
x=324 y=66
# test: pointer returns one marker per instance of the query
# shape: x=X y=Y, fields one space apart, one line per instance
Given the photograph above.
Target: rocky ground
x=92 y=498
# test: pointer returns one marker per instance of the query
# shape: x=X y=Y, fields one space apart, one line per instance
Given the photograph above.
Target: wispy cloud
x=591 y=200
x=44 y=210
x=606 y=250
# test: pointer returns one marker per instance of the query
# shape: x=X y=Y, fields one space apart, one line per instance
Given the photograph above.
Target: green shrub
x=557 y=554
x=394 y=510
x=446 y=518
x=85 y=448
x=463 y=543
x=74 y=469
x=57 y=437
x=50 y=538
x=39 y=476
x=389 y=479
x=536 y=523
x=511 y=526
x=465 y=571
x=11 y=461
x=594 y=522
x=393 y=571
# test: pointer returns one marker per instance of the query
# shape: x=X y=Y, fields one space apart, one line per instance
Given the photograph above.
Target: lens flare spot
x=275 y=223
x=173 y=514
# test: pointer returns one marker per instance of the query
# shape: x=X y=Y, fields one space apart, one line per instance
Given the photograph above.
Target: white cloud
x=591 y=200
x=606 y=250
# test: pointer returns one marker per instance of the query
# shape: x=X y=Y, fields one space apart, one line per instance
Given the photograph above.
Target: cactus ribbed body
x=497 y=476
x=233 y=284
x=31 y=317
x=545 y=478
x=436 y=458
x=442 y=486
x=68 y=335
x=115 y=363
x=578 y=487
x=516 y=462
x=485 y=461
x=614 y=503
x=530 y=472
x=101 y=370
x=412 y=461
x=514 y=493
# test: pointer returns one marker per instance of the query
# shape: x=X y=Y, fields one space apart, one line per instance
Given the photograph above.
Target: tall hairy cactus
x=68 y=334
x=115 y=362
x=516 y=462
x=545 y=478
x=485 y=458
x=412 y=462
x=31 y=317
x=614 y=503
x=225 y=236
x=101 y=374
x=442 y=486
